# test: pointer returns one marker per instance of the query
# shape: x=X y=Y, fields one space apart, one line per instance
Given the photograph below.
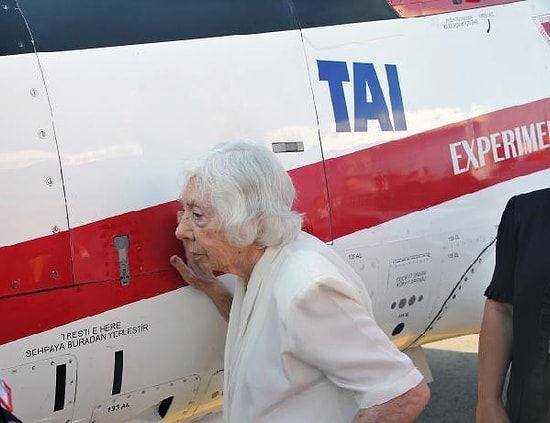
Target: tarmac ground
x=453 y=363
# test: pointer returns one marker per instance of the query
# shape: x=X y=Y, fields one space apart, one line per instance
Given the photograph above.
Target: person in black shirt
x=516 y=319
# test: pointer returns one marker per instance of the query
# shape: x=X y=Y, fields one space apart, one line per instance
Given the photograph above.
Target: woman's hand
x=206 y=282
x=193 y=274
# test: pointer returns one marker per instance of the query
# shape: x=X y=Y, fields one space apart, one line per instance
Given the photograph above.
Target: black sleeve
x=501 y=287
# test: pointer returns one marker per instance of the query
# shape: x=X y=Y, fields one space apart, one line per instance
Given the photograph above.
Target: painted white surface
x=129 y=118
x=447 y=248
x=30 y=180
x=443 y=78
x=166 y=338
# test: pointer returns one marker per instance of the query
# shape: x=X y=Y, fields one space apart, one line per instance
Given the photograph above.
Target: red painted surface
x=40 y=264
x=29 y=314
x=93 y=285
x=152 y=242
x=378 y=184
x=411 y=8
x=367 y=188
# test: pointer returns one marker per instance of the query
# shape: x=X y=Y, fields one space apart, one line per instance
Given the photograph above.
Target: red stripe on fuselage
x=367 y=188
x=93 y=284
x=413 y=8
x=382 y=183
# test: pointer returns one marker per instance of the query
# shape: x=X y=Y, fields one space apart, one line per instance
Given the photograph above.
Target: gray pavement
x=453 y=363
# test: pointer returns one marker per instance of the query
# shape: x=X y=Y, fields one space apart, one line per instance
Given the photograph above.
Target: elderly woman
x=302 y=343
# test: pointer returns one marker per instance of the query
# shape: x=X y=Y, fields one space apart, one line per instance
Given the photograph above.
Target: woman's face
x=199 y=228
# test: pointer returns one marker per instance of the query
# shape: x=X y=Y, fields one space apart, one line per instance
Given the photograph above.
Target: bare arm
x=495 y=346
x=207 y=283
x=403 y=409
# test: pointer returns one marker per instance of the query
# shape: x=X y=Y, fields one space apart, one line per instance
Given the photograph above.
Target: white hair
x=251 y=192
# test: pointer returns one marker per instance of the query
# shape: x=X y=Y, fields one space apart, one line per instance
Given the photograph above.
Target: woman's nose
x=183 y=230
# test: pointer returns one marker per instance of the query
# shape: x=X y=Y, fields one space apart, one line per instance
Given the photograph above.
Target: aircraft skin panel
x=29 y=151
x=415 y=132
x=135 y=336
x=96 y=258
x=33 y=209
x=436 y=77
x=426 y=271
x=103 y=100
x=367 y=186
